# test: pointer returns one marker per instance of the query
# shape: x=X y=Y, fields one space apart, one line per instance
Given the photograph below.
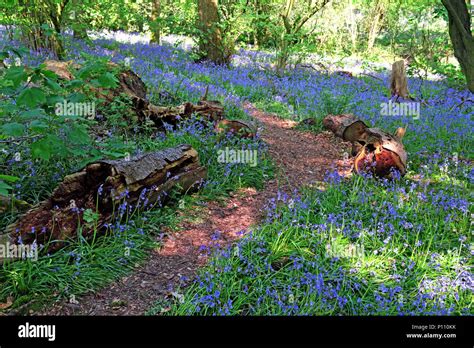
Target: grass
x=358 y=247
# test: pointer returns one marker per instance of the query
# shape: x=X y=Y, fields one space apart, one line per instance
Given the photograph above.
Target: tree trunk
x=210 y=42
x=461 y=37
x=79 y=24
x=375 y=150
x=352 y=26
x=101 y=187
x=376 y=20
x=155 y=25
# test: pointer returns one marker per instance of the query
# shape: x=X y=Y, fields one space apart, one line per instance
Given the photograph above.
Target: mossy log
x=100 y=188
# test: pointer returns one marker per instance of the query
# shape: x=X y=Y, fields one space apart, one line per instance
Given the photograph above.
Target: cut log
x=375 y=150
x=381 y=154
x=345 y=126
x=241 y=128
x=399 y=81
x=102 y=187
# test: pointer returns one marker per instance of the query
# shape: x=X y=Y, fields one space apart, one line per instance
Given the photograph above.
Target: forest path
x=302 y=158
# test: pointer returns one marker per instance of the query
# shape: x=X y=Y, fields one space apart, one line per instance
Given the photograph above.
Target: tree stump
x=399 y=81
x=101 y=187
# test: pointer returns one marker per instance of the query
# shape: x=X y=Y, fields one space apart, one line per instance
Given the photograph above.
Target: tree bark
x=155 y=15
x=172 y=115
x=101 y=187
x=210 y=43
x=376 y=20
x=398 y=80
x=461 y=37
x=345 y=126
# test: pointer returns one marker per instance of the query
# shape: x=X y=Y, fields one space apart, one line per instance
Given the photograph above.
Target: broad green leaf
x=78 y=135
x=52 y=84
x=38 y=126
x=42 y=149
x=33 y=114
x=76 y=98
x=13 y=129
x=74 y=84
x=107 y=80
x=16 y=74
x=31 y=97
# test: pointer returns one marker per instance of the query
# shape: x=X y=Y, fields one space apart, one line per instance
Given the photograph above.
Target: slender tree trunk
x=461 y=37
x=155 y=15
x=376 y=23
x=210 y=43
x=353 y=26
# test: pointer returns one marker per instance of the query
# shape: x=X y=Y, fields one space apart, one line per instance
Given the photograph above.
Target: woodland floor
x=302 y=159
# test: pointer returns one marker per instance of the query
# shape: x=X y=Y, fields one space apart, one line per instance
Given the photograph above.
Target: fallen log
x=102 y=187
x=345 y=126
x=375 y=150
x=131 y=85
x=241 y=128
x=211 y=111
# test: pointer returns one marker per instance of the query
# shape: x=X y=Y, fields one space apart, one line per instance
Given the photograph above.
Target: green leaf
x=52 y=84
x=76 y=98
x=107 y=80
x=4 y=188
x=32 y=114
x=74 y=84
x=42 y=149
x=38 y=126
x=13 y=129
x=49 y=74
x=78 y=135
x=9 y=178
x=31 y=97
x=16 y=74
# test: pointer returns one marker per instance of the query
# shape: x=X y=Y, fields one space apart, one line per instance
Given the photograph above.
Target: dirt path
x=302 y=158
